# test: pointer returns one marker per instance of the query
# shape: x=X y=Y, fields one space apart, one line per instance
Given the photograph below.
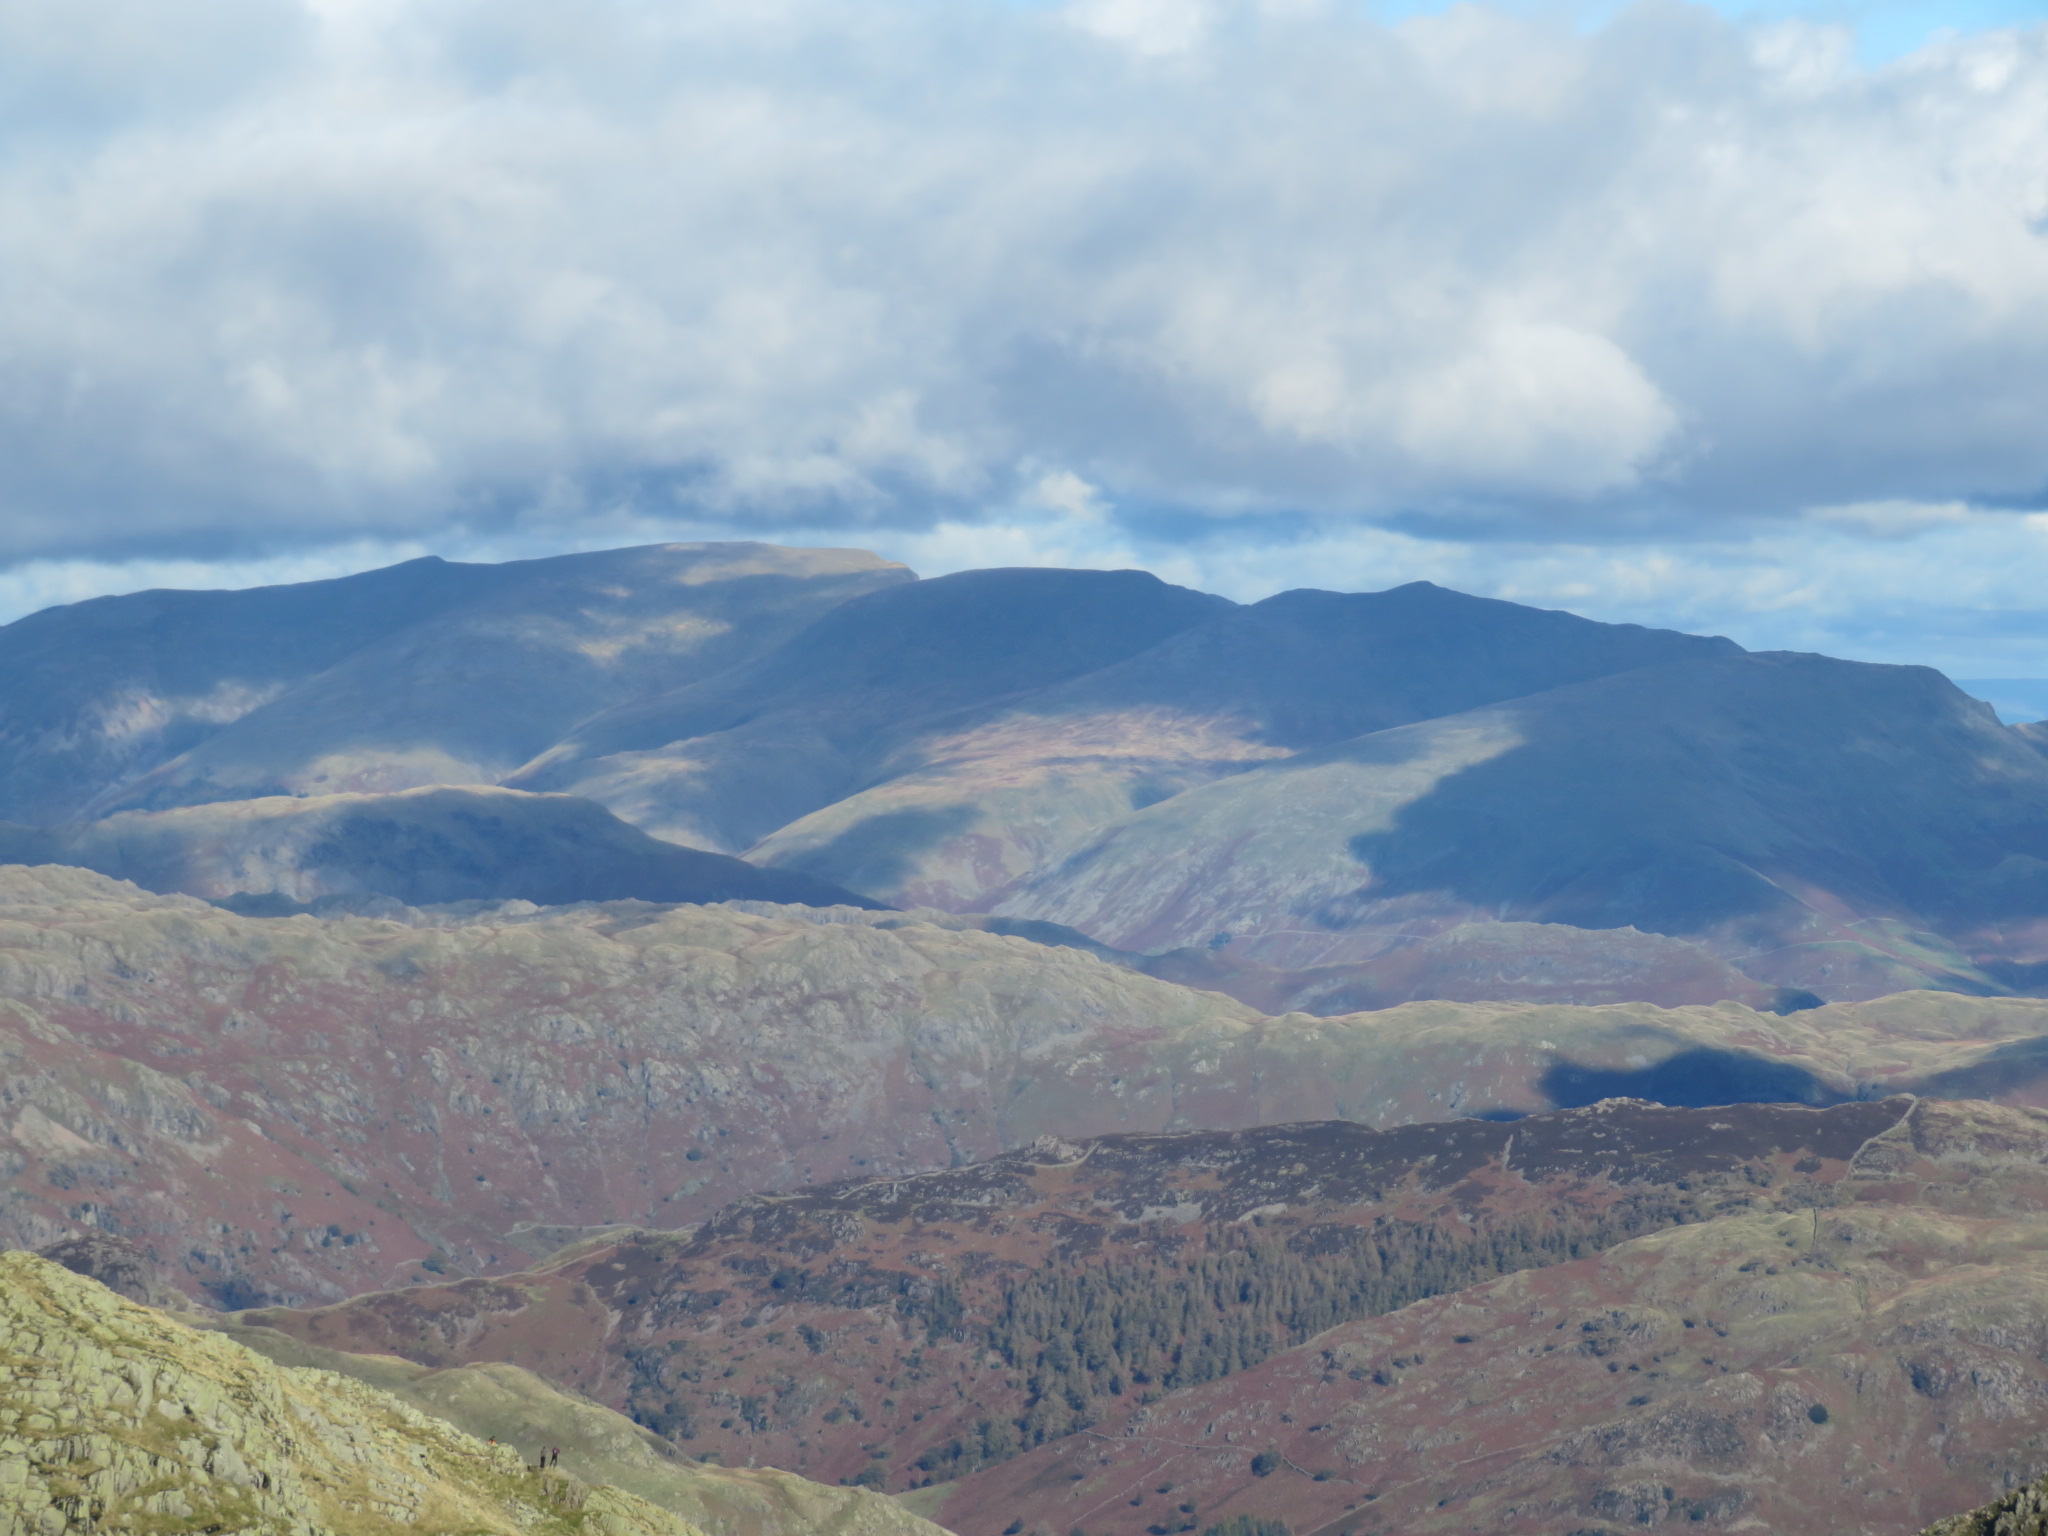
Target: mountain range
x=1048 y=1053
x=1321 y=801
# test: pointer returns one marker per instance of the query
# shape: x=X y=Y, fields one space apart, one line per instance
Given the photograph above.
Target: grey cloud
x=382 y=268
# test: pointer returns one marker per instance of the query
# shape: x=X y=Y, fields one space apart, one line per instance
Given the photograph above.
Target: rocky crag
x=115 y=1417
x=2023 y=1512
x=516 y=1075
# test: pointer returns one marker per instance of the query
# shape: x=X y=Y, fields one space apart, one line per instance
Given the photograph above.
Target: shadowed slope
x=424 y=673
x=421 y=846
x=983 y=798
x=724 y=762
x=1759 y=801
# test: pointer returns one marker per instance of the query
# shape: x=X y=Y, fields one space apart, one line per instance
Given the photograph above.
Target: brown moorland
x=297 y=1109
x=1128 y=1301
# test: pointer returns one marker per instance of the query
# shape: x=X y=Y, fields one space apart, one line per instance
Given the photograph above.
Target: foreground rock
x=515 y=1075
x=2023 y=1512
x=516 y=1407
x=115 y=1417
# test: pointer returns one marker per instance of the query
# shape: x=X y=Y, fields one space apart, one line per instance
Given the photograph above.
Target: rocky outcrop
x=2023 y=1512
x=114 y=1417
x=168 y=1070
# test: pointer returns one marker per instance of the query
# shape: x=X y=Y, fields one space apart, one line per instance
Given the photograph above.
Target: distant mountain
x=1829 y=825
x=729 y=760
x=424 y=673
x=981 y=800
x=277 y=855
x=303 y=1110
x=1322 y=801
x=1782 y=1316
x=2017 y=699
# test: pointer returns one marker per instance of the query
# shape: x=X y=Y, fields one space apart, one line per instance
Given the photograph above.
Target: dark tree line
x=1085 y=1338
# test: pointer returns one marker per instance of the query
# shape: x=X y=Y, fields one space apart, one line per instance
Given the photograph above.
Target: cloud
x=279 y=275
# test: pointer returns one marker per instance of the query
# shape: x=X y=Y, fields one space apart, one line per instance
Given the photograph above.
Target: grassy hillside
x=118 y=1418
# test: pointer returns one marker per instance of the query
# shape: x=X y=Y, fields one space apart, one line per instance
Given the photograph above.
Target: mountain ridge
x=1018 y=742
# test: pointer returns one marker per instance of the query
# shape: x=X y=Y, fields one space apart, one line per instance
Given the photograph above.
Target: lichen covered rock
x=117 y=1418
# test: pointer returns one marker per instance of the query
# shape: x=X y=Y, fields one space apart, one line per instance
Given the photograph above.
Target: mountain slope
x=2023 y=1512
x=727 y=761
x=171 y=1069
x=424 y=673
x=1859 y=1369
x=116 y=1417
x=984 y=798
x=518 y=1408
x=504 y=1404
x=1744 y=1317
x=1812 y=818
x=418 y=846
x=954 y=1318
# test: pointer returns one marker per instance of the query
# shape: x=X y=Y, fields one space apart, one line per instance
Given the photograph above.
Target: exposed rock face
x=518 y=1408
x=168 y=1070
x=119 y=1265
x=114 y=1417
x=417 y=846
x=2023 y=1512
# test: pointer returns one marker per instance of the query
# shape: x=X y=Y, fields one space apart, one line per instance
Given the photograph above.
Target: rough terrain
x=913 y=1330
x=1863 y=1368
x=2023 y=1512
x=168 y=1070
x=503 y=1403
x=115 y=1417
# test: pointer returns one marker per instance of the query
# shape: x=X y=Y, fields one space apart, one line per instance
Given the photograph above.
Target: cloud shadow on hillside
x=1694 y=1079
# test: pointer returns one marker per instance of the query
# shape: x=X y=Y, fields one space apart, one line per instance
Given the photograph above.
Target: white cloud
x=533 y=270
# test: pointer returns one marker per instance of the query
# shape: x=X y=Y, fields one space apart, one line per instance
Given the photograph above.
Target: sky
x=1733 y=319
